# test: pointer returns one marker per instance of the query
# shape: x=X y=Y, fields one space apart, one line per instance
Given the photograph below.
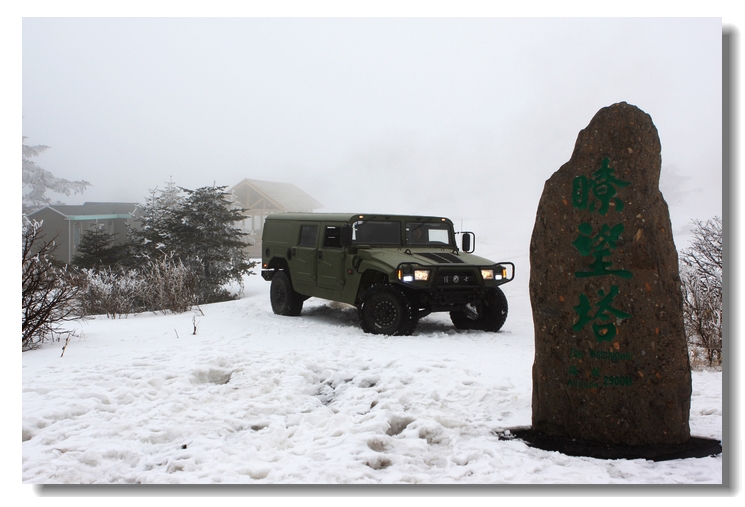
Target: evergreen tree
x=198 y=228
x=152 y=239
x=96 y=250
x=205 y=238
x=38 y=180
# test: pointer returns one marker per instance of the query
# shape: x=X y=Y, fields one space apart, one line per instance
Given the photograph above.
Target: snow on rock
x=258 y=398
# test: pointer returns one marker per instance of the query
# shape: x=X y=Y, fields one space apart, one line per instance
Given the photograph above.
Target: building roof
x=286 y=195
x=92 y=210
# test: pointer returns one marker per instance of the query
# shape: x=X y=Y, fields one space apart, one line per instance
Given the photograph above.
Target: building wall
x=55 y=226
x=261 y=202
x=68 y=233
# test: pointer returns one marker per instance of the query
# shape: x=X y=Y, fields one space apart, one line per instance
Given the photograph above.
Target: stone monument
x=611 y=358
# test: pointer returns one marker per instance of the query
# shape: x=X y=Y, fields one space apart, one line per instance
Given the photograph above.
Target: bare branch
x=48 y=294
x=701 y=279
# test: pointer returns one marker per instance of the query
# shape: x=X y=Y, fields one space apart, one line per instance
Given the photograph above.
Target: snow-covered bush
x=169 y=286
x=49 y=293
x=113 y=293
x=165 y=285
x=701 y=279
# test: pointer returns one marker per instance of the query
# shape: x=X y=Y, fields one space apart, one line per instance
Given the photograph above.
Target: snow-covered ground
x=257 y=398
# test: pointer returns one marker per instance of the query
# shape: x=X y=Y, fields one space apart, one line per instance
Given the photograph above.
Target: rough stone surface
x=611 y=360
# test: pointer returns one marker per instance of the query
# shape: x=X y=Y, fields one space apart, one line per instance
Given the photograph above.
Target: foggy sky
x=462 y=117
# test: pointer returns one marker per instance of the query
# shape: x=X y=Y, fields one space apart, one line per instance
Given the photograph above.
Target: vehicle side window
x=332 y=238
x=308 y=235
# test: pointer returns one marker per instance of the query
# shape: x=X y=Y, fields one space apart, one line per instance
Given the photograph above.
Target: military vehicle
x=395 y=269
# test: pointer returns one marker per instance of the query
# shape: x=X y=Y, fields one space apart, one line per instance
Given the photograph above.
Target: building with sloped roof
x=262 y=198
x=67 y=223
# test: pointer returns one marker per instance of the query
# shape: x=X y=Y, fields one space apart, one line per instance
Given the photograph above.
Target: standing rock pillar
x=611 y=358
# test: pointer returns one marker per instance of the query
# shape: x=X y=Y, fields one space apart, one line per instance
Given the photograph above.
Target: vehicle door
x=331 y=258
x=303 y=258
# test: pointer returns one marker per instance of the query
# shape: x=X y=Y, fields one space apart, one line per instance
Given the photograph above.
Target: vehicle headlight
x=421 y=275
x=407 y=273
x=487 y=274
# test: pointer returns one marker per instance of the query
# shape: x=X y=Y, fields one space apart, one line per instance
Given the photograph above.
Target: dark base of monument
x=696 y=447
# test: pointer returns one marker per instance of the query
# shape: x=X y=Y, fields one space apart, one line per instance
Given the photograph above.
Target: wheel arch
x=277 y=264
x=369 y=278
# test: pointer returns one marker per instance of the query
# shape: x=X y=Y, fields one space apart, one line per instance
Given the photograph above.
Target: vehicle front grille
x=456 y=278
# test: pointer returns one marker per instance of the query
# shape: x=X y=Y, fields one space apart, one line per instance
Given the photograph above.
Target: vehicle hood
x=424 y=257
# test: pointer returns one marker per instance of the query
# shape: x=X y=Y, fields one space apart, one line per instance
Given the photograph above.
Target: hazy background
x=463 y=117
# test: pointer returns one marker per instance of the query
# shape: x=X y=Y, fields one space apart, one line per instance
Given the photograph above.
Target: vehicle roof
x=349 y=217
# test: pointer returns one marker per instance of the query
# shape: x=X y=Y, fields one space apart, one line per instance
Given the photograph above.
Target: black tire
x=492 y=316
x=385 y=309
x=285 y=301
x=461 y=320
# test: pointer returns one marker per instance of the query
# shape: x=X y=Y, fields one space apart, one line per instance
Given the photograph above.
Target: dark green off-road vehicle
x=395 y=269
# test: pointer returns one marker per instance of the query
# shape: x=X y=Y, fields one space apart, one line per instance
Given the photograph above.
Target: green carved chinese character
x=603 y=326
x=602 y=184
x=599 y=246
x=595 y=372
x=573 y=371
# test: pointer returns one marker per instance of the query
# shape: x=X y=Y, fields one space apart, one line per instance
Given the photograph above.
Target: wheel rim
x=384 y=314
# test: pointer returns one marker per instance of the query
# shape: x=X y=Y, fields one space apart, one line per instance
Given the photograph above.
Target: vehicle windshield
x=376 y=232
x=429 y=234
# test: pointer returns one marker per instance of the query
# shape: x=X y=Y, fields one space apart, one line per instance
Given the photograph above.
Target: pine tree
x=39 y=180
x=206 y=239
x=198 y=228
x=152 y=239
x=96 y=250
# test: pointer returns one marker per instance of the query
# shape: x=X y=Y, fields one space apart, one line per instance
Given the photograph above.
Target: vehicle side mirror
x=345 y=237
x=468 y=242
